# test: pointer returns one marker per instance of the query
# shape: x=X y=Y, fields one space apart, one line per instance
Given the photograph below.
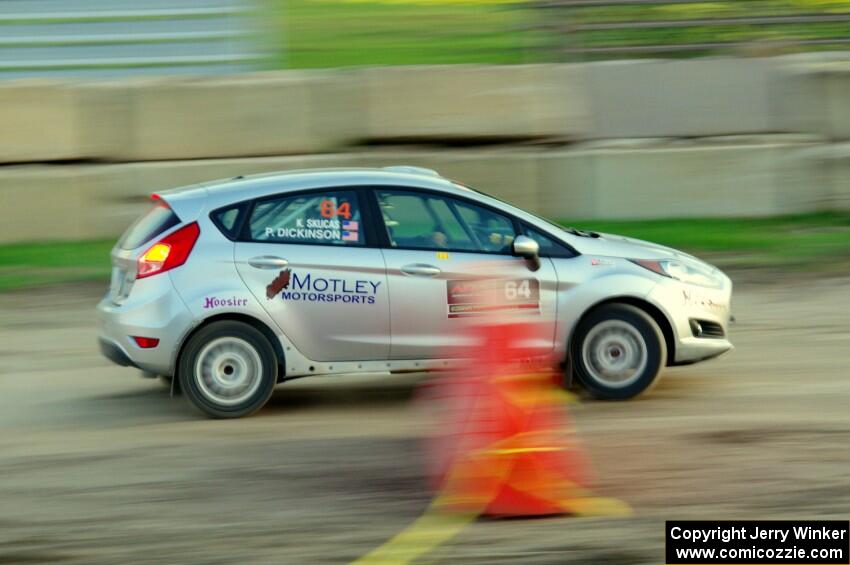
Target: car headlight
x=687 y=273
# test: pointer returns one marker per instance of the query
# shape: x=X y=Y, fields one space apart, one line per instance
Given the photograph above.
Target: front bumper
x=684 y=303
x=694 y=349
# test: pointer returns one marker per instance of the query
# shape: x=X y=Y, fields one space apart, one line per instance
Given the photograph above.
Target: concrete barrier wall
x=254 y=115
x=284 y=113
x=43 y=203
x=688 y=98
x=815 y=98
x=138 y=136
x=833 y=164
x=177 y=118
x=837 y=100
x=472 y=101
x=300 y=112
x=39 y=122
x=727 y=179
x=723 y=179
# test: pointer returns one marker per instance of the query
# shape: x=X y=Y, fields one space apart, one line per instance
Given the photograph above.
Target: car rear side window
x=158 y=219
x=227 y=220
x=317 y=218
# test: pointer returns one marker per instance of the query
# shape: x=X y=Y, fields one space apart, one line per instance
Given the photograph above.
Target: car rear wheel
x=228 y=370
x=618 y=352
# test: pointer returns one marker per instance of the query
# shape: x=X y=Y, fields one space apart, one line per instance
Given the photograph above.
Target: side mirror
x=528 y=249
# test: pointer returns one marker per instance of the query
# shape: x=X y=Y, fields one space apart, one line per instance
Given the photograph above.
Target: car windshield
x=553 y=225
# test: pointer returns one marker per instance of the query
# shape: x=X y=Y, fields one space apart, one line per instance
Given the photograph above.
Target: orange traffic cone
x=509 y=448
x=502 y=448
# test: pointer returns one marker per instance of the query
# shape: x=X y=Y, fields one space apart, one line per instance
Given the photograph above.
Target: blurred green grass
x=336 y=33
x=341 y=33
x=28 y=265
x=816 y=242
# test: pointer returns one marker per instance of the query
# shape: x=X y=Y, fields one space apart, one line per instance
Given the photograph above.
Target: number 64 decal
x=479 y=297
x=329 y=209
x=517 y=289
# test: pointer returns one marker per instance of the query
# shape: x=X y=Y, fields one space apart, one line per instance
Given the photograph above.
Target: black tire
x=224 y=345
x=608 y=328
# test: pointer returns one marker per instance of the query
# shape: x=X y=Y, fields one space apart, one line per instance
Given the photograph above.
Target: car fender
x=217 y=292
x=575 y=302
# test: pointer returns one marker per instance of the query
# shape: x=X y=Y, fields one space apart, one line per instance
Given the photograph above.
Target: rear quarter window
x=158 y=219
x=227 y=220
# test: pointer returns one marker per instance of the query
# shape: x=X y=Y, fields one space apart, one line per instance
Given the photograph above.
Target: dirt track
x=100 y=466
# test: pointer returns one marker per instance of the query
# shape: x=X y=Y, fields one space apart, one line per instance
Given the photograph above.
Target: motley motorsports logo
x=296 y=287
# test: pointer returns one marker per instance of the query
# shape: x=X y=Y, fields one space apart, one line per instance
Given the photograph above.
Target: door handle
x=421 y=270
x=268 y=262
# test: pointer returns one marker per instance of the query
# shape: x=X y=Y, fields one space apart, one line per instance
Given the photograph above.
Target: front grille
x=704 y=328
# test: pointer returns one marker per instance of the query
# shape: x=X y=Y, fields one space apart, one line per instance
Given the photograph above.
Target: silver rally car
x=234 y=286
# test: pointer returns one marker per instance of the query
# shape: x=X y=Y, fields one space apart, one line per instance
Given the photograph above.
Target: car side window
x=419 y=220
x=226 y=220
x=495 y=232
x=548 y=246
x=319 y=218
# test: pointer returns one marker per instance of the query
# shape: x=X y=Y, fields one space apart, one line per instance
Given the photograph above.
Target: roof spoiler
x=186 y=203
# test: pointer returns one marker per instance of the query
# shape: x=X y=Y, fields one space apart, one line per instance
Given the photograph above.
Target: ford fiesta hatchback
x=234 y=286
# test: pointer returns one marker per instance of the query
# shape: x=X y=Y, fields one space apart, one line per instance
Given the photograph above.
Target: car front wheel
x=228 y=370
x=618 y=352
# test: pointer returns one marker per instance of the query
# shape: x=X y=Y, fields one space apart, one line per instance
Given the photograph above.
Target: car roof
x=244 y=187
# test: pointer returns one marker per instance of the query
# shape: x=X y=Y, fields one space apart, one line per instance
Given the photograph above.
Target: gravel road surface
x=100 y=466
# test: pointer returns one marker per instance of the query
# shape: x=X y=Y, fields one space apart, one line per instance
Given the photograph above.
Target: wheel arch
x=648 y=308
x=257 y=324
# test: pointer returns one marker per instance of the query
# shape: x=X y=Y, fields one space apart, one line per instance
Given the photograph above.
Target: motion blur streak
x=499 y=447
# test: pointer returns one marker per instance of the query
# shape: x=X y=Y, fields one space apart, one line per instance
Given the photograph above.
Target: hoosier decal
x=216 y=302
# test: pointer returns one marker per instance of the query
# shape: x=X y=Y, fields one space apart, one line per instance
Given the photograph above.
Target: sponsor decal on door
x=486 y=296
x=305 y=287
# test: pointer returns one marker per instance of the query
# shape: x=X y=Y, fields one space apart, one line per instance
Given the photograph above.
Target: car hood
x=613 y=245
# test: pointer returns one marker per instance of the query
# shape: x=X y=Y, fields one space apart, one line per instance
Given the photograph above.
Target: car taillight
x=169 y=252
